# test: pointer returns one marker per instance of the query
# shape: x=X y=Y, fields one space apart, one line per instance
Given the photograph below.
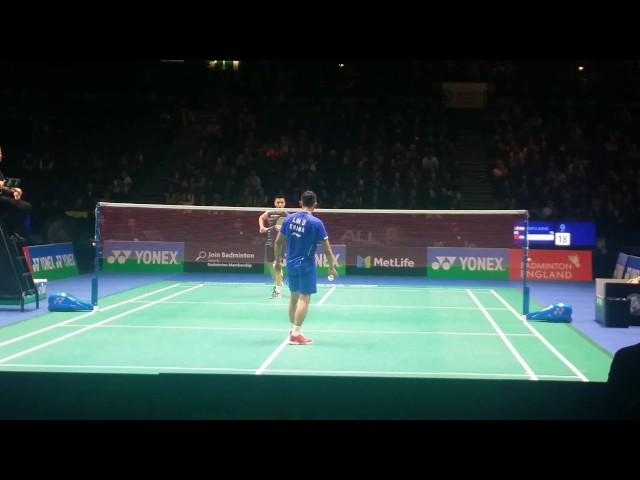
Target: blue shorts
x=302 y=279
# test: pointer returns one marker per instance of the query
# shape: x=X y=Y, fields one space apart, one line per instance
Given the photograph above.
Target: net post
x=96 y=261
x=525 y=261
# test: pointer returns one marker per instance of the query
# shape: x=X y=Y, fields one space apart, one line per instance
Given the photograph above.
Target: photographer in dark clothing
x=13 y=210
x=624 y=382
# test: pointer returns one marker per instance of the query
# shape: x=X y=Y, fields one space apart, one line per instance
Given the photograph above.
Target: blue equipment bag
x=556 y=312
x=64 y=302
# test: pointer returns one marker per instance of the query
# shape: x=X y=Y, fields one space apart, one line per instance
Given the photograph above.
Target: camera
x=12 y=182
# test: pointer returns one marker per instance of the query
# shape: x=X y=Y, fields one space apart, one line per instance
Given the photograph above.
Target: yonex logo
x=119 y=256
x=490 y=264
x=323 y=261
x=363 y=262
x=146 y=257
x=443 y=262
x=57 y=299
x=559 y=310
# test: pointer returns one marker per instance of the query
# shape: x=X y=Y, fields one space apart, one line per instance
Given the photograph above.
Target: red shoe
x=299 y=340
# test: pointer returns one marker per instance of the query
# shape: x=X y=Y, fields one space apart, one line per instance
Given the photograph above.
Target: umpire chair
x=16 y=281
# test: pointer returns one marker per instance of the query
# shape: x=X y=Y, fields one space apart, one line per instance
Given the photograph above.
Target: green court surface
x=365 y=331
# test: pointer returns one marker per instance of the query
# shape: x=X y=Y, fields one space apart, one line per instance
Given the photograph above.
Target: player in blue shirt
x=302 y=232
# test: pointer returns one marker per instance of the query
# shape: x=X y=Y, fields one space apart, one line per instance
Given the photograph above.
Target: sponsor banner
x=322 y=264
x=216 y=258
x=53 y=261
x=557 y=265
x=377 y=260
x=633 y=267
x=621 y=265
x=142 y=256
x=468 y=263
x=27 y=256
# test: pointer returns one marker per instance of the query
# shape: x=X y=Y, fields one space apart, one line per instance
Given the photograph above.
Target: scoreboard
x=556 y=234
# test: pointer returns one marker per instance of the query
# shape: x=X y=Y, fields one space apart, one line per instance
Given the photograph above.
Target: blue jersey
x=303 y=231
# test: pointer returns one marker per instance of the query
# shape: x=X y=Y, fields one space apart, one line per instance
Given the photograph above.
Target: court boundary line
x=127 y=367
x=84 y=329
x=279 y=304
x=285 y=342
x=506 y=341
x=215 y=369
x=84 y=315
x=249 y=329
x=523 y=375
x=326 y=295
x=272 y=357
x=544 y=341
x=345 y=285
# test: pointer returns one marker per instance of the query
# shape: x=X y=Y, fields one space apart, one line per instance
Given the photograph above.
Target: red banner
x=555 y=265
x=27 y=255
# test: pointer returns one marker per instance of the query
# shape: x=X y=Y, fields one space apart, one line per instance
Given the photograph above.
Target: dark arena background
x=484 y=216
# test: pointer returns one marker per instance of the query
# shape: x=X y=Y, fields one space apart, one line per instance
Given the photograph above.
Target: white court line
x=277 y=304
x=506 y=341
x=284 y=343
x=393 y=287
x=445 y=374
x=402 y=289
x=84 y=315
x=249 y=329
x=562 y=358
x=84 y=329
x=223 y=284
x=127 y=367
x=326 y=295
x=272 y=357
x=302 y=372
x=386 y=287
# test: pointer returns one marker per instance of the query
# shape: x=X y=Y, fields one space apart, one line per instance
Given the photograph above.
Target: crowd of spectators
x=568 y=163
x=376 y=139
x=76 y=144
x=360 y=153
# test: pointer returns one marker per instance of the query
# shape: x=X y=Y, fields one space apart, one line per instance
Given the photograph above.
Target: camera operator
x=13 y=210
